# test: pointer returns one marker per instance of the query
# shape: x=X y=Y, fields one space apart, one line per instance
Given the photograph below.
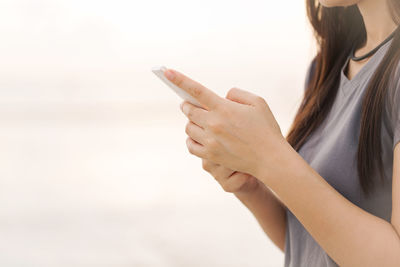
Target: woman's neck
x=378 y=22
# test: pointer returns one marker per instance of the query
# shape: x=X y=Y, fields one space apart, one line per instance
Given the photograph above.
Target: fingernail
x=169 y=74
x=185 y=108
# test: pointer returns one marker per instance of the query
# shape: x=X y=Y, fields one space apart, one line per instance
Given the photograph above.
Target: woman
x=336 y=176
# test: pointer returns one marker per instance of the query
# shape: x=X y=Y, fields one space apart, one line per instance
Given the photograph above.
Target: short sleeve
x=394 y=106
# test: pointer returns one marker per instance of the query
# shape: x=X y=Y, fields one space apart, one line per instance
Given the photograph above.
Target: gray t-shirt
x=332 y=151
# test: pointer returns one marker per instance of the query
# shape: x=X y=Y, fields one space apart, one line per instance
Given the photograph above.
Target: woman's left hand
x=239 y=132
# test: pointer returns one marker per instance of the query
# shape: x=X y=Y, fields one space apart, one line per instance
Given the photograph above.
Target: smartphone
x=159 y=71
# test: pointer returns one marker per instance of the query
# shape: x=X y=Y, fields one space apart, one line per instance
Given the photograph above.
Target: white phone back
x=159 y=71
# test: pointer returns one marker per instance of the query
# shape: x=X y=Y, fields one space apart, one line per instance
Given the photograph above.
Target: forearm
x=268 y=211
x=350 y=235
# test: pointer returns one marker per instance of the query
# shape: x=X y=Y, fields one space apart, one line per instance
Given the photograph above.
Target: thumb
x=243 y=97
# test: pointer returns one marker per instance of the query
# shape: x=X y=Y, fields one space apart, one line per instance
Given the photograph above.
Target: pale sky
x=74 y=50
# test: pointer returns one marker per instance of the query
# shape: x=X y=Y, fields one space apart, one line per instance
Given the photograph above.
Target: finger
x=194 y=114
x=195 y=148
x=195 y=132
x=244 y=97
x=206 y=97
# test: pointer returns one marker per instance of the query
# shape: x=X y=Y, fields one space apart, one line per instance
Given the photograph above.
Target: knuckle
x=233 y=90
x=228 y=187
x=189 y=146
x=196 y=91
x=190 y=149
x=179 y=81
x=190 y=113
x=188 y=128
x=212 y=154
x=260 y=100
x=212 y=144
x=206 y=165
x=216 y=126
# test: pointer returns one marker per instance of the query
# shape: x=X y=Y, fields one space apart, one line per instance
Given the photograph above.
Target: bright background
x=94 y=170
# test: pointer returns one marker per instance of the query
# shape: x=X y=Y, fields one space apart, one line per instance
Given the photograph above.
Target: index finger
x=205 y=96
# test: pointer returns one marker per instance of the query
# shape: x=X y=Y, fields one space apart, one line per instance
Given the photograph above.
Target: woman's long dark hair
x=337 y=29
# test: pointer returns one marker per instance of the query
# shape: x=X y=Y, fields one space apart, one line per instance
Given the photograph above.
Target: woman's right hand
x=231 y=181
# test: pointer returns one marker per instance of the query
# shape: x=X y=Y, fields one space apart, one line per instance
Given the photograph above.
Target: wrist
x=249 y=195
x=258 y=197
x=276 y=163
